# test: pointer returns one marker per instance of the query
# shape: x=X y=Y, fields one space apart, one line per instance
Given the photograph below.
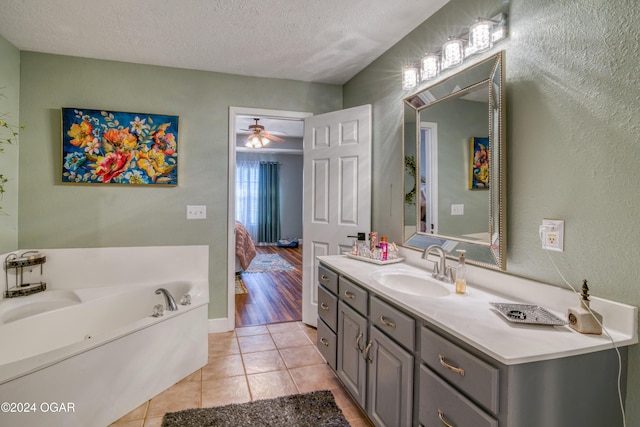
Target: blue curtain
x=247 y=190
x=269 y=202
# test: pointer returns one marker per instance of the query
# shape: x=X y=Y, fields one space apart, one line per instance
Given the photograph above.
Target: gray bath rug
x=317 y=408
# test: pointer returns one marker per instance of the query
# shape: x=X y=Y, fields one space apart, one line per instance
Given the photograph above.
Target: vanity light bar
x=482 y=35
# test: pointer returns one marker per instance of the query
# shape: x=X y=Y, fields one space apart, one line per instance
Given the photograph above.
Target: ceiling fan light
x=254 y=142
x=264 y=140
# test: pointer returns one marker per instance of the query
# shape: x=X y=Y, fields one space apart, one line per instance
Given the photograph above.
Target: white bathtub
x=87 y=356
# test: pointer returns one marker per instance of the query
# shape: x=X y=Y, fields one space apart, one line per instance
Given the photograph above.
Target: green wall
x=572 y=123
x=9 y=113
x=53 y=215
x=573 y=118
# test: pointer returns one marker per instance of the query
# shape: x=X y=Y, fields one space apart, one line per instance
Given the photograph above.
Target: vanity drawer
x=328 y=307
x=327 y=343
x=474 y=377
x=393 y=322
x=353 y=295
x=328 y=279
x=441 y=404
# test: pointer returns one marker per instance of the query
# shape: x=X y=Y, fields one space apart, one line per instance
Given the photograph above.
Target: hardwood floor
x=272 y=297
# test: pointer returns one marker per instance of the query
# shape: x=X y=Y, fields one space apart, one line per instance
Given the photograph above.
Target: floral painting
x=110 y=147
x=479 y=170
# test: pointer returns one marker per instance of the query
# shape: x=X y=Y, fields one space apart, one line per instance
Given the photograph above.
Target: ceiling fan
x=260 y=137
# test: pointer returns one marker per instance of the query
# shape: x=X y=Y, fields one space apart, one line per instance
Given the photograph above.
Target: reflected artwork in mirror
x=454 y=180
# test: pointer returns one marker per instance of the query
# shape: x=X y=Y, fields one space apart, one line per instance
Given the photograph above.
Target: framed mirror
x=454 y=180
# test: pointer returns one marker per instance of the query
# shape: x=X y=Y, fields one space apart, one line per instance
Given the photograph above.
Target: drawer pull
x=358 y=345
x=387 y=322
x=349 y=295
x=324 y=306
x=457 y=370
x=442 y=420
x=324 y=278
x=324 y=341
x=366 y=352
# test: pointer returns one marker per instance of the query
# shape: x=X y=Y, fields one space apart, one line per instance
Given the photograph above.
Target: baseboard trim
x=220 y=325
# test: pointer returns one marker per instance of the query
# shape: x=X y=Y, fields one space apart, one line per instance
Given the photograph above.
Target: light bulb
x=452 y=53
x=429 y=66
x=480 y=35
x=255 y=141
x=409 y=77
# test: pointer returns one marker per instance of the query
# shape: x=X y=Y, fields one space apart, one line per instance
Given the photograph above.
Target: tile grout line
x=244 y=368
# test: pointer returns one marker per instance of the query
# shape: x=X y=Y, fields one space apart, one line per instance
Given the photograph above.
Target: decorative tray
x=376 y=261
x=528 y=313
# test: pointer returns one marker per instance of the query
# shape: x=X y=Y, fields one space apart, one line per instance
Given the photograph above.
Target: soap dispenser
x=582 y=318
x=461 y=274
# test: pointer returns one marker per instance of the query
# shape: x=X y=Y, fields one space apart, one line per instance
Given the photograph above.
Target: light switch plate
x=457 y=209
x=196 y=212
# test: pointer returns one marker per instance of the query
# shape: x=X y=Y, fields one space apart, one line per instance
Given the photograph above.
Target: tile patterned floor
x=250 y=363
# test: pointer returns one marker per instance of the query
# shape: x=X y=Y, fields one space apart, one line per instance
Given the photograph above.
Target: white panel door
x=337 y=191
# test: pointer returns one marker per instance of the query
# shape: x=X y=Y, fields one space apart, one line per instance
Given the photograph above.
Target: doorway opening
x=272 y=296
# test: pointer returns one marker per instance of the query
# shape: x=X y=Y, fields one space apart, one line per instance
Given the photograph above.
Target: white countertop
x=470 y=318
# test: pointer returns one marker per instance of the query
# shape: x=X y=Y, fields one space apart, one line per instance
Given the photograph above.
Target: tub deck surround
x=39 y=330
x=90 y=339
x=471 y=318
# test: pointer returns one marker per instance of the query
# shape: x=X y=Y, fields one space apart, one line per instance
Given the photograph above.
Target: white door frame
x=231 y=239
x=430 y=157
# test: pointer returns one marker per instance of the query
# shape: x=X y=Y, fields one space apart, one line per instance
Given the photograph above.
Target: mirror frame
x=486 y=254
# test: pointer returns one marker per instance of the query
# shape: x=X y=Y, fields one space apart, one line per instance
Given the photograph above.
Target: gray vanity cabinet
x=351 y=365
x=327 y=315
x=370 y=358
x=456 y=387
x=405 y=371
x=390 y=391
x=579 y=390
x=441 y=404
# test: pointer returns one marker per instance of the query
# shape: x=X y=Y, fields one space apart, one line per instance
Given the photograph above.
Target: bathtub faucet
x=171 y=303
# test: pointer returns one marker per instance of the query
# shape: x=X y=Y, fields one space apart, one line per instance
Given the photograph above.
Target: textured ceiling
x=326 y=41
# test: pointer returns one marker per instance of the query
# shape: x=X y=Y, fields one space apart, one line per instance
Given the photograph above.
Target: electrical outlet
x=196 y=212
x=552 y=234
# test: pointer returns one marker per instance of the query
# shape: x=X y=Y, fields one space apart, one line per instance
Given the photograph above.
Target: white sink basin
x=410 y=282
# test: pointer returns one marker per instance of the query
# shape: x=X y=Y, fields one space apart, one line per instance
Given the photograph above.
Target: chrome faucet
x=171 y=303
x=440 y=269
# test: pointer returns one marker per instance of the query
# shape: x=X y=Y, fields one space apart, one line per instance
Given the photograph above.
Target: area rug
x=317 y=408
x=240 y=286
x=268 y=263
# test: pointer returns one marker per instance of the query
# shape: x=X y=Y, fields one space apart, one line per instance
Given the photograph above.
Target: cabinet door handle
x=455 y=369
x=387 y=322
x=366 y=352
x=324 y=341
x=442 y=420
x=349 y=295
x=358 y=345
x=324 y=306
